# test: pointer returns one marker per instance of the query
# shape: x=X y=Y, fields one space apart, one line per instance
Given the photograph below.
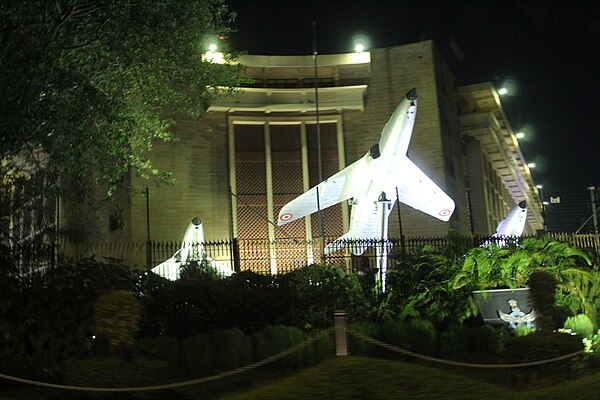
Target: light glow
x=359 y=48
x=531 y=165
x=502 y=91
x=212 y=47
x=214 y=57
x=520 y=135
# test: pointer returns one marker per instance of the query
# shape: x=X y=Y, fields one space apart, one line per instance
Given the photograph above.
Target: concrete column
x=341 y=334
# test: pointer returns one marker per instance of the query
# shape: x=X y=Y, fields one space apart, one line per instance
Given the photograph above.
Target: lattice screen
x=287 y=247
x=251 y=189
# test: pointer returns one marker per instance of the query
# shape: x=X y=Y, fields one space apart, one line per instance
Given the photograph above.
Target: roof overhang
x=482 y=118
x=300 y=100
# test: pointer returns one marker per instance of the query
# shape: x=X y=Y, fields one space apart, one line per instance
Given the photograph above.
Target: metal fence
x=260 y=256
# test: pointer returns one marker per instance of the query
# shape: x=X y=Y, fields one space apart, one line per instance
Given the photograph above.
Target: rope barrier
x=458 y=363
x=175 y=385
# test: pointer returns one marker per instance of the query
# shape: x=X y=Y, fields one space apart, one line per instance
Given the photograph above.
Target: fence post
x=341 y=335
x=149 y=255
x=236 y=254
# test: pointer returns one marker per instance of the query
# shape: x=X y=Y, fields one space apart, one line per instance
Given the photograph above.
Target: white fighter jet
x=192 y=249
x=514 y=223
x=371 y=183
x=511 y=226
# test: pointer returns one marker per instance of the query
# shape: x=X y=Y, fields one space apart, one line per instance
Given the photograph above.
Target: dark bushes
x=45 y=319
x=199 y=303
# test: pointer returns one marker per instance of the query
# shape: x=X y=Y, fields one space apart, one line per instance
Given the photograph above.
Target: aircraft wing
x=418 y=191
x=339 y=187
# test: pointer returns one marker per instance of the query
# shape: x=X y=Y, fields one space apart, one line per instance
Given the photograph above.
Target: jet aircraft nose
x=412 y=94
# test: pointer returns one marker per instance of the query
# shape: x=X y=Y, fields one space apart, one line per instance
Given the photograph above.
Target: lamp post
x=544 y=204
x=319 y=162
x=592 y=190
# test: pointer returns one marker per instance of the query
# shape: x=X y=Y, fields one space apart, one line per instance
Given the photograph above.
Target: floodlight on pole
x=361 y=42
x=539 y=186
x=319 y=159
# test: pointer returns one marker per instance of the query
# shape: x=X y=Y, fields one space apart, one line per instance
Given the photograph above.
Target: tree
x=89 y=87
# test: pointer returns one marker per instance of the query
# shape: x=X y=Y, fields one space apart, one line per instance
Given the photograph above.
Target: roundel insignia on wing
x=444 y=213
x=286 y=216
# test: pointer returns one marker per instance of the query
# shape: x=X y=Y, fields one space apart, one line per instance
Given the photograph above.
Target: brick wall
x=199 y=165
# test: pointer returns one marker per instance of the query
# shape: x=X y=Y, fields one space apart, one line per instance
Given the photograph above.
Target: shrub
x=272 y=340
x=394 y=332
x=164 y=348
x=580 y=324
x=320 y=349
x=313 y=293
x=451 y=342
x=357 y=345
x=116 y=319
x=523 y=330
x=481 y=339
x=198 y=355
x=421 y=336
x=45 y=319
x=233 y=349
x=288 y=336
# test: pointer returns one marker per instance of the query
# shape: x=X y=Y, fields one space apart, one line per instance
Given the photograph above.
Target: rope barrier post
x=341 y=334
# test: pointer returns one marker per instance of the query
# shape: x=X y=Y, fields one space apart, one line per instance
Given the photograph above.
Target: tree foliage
x=89 y=87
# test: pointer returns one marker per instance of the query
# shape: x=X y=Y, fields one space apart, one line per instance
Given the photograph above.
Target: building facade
x=253 y=152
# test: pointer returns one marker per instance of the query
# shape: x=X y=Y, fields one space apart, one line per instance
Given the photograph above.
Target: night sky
x=550 y=51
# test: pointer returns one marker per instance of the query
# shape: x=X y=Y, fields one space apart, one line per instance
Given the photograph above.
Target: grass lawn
x=369 y=378
x=357 y=377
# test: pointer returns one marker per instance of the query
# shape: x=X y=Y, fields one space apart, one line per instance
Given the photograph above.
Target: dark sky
x=549 y=49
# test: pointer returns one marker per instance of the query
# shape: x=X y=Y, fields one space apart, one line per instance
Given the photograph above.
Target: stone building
x=251 y=153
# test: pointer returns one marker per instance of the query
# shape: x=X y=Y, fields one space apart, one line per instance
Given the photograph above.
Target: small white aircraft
x=371 y=183
x=192 y=249
x=511 y=226
x=514 y=223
